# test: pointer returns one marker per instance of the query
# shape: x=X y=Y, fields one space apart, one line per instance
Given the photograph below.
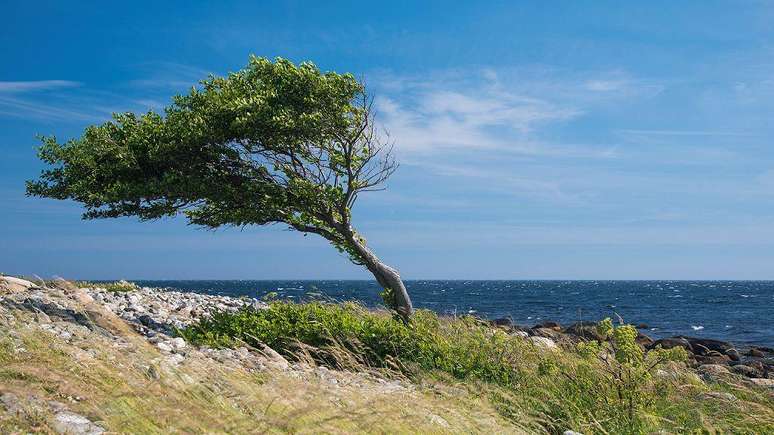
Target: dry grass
x=132 y=389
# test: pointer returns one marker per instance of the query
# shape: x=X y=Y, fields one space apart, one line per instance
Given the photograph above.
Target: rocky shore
x=709 y=357
x=81 y=315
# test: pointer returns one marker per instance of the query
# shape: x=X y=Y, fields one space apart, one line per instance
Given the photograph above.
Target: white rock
x=73 y=424
x=178 y=343
x=543 y=342
x=762 y=382
x=164 y=346
x=11 y=283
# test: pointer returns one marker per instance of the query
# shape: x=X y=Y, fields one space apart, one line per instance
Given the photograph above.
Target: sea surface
x=738 y=311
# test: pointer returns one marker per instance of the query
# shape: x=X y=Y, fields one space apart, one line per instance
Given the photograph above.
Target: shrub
x=604 y=387
x=117 y=287
x=463 y=347
x=627 y=369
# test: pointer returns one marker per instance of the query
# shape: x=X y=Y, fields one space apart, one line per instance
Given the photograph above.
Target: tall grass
x=595 y=390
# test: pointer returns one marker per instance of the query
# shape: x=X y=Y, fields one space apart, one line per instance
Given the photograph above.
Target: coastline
x=159 y=312
x=118 y=323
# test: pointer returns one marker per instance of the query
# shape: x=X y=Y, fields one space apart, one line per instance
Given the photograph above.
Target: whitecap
x=697 y=328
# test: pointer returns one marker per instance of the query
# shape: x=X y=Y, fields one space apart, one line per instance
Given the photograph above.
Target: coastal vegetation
x=144 y=361
x=274 y=143
x=608 y=386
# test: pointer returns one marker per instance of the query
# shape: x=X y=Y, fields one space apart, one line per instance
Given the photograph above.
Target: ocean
x=741 y=312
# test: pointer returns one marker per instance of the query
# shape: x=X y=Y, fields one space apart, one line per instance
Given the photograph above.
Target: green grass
x=553 y=390
x=117 y=286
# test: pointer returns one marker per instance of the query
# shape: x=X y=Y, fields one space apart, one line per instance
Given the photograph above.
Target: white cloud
x=435 y=118
x=40 y=85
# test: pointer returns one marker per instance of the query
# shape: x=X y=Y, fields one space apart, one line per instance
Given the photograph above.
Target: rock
x=668 y=343
x=520 y=334
x=505 y=322
x=549 y=325
x=178 y=343
x=571 y=432
x=544 y=343
x=66 y=422
x=719 y=395
x=699 y=349
x=643 y=340
x=746 y=370
x=733 y=354
x=438 y=420
x=544 y=332
x=761 y=382
x=587 y=330
x=274 y=359
x=175 y=359
x=642 y=326
x=12 y=284
x=11 y=403
x=714 y=369
x=716 y=345
x=755 y=352
x=713 y=372
x=713 y=359
x=164 y=346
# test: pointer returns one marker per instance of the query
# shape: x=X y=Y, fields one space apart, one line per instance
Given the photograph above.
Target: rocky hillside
x=89 y=361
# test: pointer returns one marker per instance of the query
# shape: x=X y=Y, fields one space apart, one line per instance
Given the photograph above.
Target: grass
x=543 y=391
x=114 y=389
x=117 y=286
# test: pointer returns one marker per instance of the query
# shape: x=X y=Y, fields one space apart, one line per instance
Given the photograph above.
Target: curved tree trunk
x=385 y=275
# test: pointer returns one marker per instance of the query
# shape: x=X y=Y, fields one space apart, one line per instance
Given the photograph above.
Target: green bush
x=604 y=387
x=117 y=287
x=464 y=348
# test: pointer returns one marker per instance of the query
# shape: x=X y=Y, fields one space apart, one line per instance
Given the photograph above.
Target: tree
x=273 y=143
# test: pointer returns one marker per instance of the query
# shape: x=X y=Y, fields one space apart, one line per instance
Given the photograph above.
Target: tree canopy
x=272 y=143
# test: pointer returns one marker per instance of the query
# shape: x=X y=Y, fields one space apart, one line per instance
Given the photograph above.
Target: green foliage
x=603 y=388
x=388 y=297
x=272 y=143
x=465 y=348
x=627 y=368
x=119 y=286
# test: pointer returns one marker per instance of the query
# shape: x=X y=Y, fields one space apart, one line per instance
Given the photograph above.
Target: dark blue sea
x=738 y=311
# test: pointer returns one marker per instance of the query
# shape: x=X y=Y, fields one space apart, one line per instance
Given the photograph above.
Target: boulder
x=544 y=343
x=503 y=322
x=733 y=354
x=549 y=325
x=12 y=284
x=755 y=352
x=745 y=370
x=668 y=343
x=716 y=345
x=713 y=359
x=66 y=422
x=768 y=383
x=544 y=332
x=587 y=330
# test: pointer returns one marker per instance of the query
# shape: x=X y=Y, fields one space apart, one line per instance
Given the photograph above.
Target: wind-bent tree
x=273 y=143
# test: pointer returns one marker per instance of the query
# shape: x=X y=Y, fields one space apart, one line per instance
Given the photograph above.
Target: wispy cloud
x=39 y=85
x=508 y=110
x=685 y=133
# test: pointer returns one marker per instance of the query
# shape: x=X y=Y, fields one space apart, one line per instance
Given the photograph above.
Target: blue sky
x=585 y=140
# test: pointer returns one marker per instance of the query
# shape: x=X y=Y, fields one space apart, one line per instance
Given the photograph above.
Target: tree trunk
x=386 y=276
